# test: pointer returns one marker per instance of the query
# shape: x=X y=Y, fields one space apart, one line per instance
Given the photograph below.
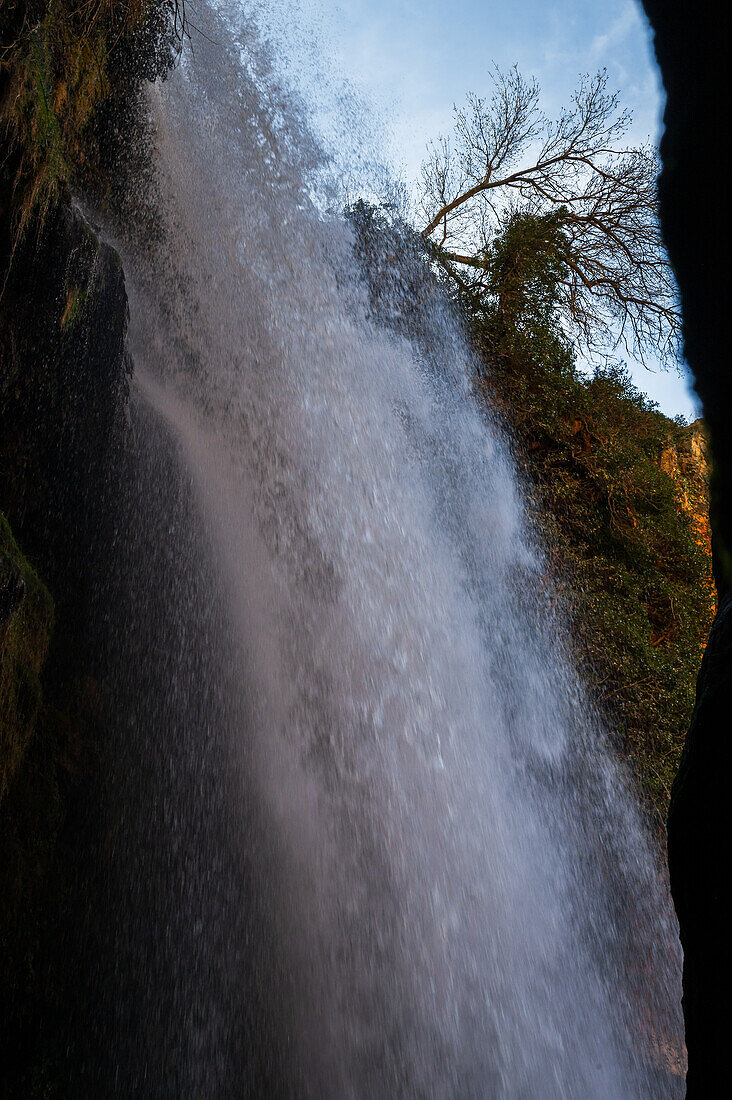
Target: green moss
x=38 y=109
x=24 y=638
x=63 y=64
x=74 y=309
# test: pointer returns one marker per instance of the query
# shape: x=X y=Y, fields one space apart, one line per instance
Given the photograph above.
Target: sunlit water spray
x=461 y=900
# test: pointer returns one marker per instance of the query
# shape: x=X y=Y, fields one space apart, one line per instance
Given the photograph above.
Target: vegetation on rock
x=64 y=69
x=70 y=109
x=619 y=489
x=628 y=547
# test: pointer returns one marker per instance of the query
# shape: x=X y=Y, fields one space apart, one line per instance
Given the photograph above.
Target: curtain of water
x=449 y=892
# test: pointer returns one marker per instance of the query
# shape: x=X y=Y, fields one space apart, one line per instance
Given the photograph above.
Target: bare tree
x=505 y=155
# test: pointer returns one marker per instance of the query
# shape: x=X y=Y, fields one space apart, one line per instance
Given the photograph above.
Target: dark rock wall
x=692 y=43
x=63 y=319
x=63 y=383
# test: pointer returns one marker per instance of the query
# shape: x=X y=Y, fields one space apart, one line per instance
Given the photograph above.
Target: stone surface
x=688 y=464
x=63 y=380
x=63 y=318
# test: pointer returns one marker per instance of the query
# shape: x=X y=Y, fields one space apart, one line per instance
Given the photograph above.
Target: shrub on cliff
x=626 y=528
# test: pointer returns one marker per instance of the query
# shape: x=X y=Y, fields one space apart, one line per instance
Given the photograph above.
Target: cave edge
x=690 y=43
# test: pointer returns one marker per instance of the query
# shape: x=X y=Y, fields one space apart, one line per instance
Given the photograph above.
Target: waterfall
x=373 y=842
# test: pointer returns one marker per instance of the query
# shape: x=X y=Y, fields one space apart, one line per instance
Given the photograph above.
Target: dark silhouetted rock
x=692 y=44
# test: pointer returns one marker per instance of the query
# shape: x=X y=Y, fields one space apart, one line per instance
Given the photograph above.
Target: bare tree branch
x=506 y=154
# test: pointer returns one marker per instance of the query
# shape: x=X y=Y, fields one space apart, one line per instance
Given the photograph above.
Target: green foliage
x=60 y=64
x=524 y=265
x=510 y=295
x=74 y=308
x=622 y=492
x=25 y=630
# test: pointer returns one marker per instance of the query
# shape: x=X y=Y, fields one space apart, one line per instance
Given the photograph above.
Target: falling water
x=372 y=841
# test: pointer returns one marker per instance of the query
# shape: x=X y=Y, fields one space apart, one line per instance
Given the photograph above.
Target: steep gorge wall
x=63 y=381
x=63 y=377
x=66 y=73
x=621 y=495
x=63 y=317
x=70 y=96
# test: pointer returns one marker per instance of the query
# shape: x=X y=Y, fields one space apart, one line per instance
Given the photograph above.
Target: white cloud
x=626 y=23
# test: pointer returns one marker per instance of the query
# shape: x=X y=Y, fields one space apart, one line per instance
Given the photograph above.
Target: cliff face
x=621 y=493
x=63 y=317
x=70 y=97
x=686 y=461
x=63 y=379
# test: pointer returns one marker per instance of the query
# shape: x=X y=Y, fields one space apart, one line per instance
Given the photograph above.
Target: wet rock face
x=63 y=318
x=63 y=380
x=691 y=45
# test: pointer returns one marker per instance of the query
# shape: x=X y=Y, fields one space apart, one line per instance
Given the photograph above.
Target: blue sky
x=409 y=61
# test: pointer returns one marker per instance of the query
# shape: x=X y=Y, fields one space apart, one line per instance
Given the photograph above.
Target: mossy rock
x=26 y=623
